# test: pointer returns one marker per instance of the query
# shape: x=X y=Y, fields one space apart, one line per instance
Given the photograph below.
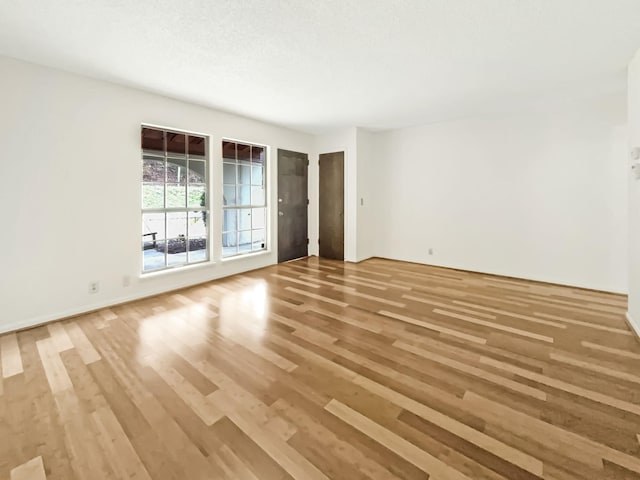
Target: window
x=244 y=198
x=174 y=199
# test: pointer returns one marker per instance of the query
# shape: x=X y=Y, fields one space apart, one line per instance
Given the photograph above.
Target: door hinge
x=307 y=241
x=307 y=162
x=307 y=201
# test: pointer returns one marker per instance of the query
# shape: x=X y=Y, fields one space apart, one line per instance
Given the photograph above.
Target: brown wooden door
x=293 y=238
x=332 y=205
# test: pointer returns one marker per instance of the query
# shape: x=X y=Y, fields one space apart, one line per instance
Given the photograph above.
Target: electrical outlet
x=431 y=251
x=126 y=281
x=94 y=287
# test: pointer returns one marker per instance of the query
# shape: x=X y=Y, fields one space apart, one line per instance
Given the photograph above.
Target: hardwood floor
x=324 y=370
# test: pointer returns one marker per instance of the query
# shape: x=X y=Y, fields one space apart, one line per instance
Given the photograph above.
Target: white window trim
x=207 y=207
x=265 y=183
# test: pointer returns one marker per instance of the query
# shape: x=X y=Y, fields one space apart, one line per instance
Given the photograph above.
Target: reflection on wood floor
x=317 y=369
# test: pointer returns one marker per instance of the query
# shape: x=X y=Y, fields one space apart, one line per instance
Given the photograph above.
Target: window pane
x=176 y=170
x=244 y=241
x=229 y=244
x=176 y=246
x=257 y=196
x=198 y=255
x=197 y=228
x=152 y=140
x=197 y=171
x=257 y=238
x=176 y=196
x=229 y=173
x=152 y=169
x=257 y=154
x=258 y=218
x=244 y=153
x=229 y=195
x=176 y=251
x=153 y=195
x=229 y=220
x=244 y=195
x=176 y=224
x=196 y=146
x=244 y=219
x=176 y=144
x=256 y=175
x=153 y=227
x=196 y=195
x=152 y=257
x=244 y=174
x=229 y=150
x=197 y=224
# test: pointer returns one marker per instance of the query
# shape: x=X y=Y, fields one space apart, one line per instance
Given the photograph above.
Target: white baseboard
x=498 y=273
x=106 y=303
x=635 y=326
x=44 y=319
x=186 y=277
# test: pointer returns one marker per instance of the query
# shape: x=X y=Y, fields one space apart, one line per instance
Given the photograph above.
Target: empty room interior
x=332 y=240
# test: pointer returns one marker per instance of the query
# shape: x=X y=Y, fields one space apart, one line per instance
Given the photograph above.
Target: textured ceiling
x=317 y=65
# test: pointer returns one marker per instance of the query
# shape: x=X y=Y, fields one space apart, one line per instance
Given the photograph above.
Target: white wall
x=539 y=195
x=366 y=215
x=634 y=194
x=70 y=197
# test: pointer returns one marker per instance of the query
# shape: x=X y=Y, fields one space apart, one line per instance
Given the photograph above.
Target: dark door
x=292 y=205
x=332 y=205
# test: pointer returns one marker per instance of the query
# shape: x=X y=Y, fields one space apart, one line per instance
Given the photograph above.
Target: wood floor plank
x=567 y=387
x=510 y=454
x=315 y=436
x=10 y=355
x=433 y=326
x=32 y=470
x=497 y=326
x=587 y=450
x=121 y=453
x=593 y=367
x=81 y=343
x=199 y=403
x=286 y=456
x=59 y=337
x=502 y=311
x=498 y=380
x=317 y=297
x=421 y=459
x=57 y=375
x=595 y=326
x=614 y=351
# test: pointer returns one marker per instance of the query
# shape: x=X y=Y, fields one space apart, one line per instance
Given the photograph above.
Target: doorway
x=293 y=237
x=331 y=241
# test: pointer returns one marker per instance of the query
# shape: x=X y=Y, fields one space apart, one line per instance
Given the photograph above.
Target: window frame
x=165 y=155
x=252 y=206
